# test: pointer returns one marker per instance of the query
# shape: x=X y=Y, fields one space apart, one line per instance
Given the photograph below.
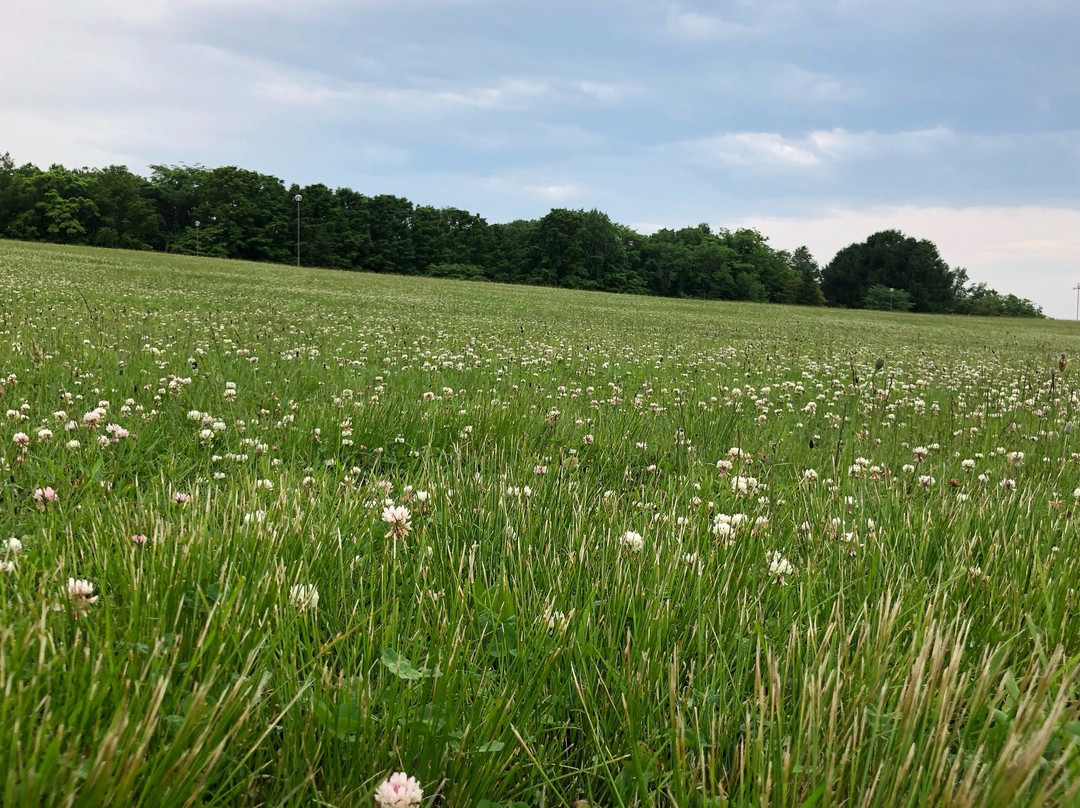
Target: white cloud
x=771 y=150
x=431 y=99
x=801 y=86
x=533 y=186
x=694 y=26
x=554 y=192
x=1029 y=251
x=604 y=92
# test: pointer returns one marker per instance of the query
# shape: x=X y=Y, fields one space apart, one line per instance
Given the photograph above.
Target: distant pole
x=298 y=199
x=197 y=251
x=1077 y=288
x=891 y=290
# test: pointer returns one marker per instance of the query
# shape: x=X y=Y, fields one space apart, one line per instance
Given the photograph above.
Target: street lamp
x=298 y=199
x=197 y=238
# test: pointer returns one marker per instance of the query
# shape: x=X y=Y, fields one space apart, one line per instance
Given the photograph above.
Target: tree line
x=230 y=212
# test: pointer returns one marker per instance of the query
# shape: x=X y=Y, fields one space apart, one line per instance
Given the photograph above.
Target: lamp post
x=1077 y=288
x=197 y=251
x=298 y=199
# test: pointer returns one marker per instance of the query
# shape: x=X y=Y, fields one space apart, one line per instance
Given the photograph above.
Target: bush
x=885 y=298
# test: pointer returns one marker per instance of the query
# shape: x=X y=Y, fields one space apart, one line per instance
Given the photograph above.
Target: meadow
x=271 y=535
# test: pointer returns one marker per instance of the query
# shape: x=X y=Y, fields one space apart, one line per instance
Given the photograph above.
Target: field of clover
x=283 y=537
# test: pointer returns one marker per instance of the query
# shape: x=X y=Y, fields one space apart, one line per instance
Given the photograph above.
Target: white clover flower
x=399 y=791
x=399 y=519
x=304 y=596
x=745 y=486
x=779 y=567
x=633 y=541
x=81 y=594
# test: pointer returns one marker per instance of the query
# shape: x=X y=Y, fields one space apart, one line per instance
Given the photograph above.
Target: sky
x=818 y=122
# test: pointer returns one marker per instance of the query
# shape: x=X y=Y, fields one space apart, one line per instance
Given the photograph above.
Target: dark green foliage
x=981 y=301
x=891 y=260
x=248 y=215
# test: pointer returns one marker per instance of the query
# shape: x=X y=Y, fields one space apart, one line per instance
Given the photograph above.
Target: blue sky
x=817 y=122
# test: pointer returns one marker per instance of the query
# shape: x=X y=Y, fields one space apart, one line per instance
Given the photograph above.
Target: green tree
x=807 y=282
x=175 y=192
x=886 y=298
x=127 y=215
x=891 y=259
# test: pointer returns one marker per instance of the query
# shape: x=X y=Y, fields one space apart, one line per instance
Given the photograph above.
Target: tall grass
x=896 y=628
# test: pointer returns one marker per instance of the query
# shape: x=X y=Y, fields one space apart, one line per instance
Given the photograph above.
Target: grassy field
x=278 y=533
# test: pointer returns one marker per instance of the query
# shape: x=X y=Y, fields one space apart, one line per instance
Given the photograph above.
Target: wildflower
x=926 y=481
x=7 y=566
x=21 y=439
x=13 y=546
x=399 y=791
x=118 y=432
x=920 y=453
x=304 y=596
x=744 y=486
x=44 y=496
x=397 y=516
x=138 y=539
x=779 y=567
x=73 y=444
x=633 y=541
x=181 y=498
x=81 y=594
x=92 y=419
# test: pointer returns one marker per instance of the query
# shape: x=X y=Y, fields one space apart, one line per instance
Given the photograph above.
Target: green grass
x=924 y=649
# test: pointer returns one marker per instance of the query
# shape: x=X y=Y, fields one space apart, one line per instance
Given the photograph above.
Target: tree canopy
x=248 y=215
x=889 y=267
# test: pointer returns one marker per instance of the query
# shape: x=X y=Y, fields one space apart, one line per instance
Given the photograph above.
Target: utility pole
x=1077 y=288
x=197 y=250
x=298 y=199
